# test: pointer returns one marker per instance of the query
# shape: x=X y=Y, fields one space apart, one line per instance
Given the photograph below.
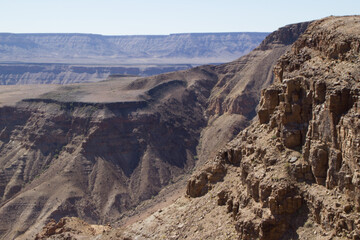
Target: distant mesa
x=189 y=48
x=76 y=58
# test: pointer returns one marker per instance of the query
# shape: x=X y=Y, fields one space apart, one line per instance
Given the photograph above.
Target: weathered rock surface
x=315 y=107
x=299 y=161
x=236 y=95
x=71 y=228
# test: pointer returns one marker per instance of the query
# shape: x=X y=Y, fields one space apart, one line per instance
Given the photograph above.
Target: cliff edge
x=295 y=169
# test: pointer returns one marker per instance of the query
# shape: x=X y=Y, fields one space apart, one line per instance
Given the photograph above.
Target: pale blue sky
x=128 y=17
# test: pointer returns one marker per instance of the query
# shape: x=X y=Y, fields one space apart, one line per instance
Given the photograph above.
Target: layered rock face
x=315 y=104
x=95 y=161
x=298 y=163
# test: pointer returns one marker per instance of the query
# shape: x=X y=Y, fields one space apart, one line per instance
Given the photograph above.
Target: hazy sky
x=119 y=17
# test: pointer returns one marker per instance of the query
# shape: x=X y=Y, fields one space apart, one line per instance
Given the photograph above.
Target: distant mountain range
x=188 y=48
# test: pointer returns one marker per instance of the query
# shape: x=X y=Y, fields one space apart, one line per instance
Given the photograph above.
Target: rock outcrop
x=314 y=105
x=233 y=101
x=71 y=228
x=236 y=95
x=298 y=163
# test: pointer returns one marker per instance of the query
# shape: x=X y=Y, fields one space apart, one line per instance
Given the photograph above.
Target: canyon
x=263 y=147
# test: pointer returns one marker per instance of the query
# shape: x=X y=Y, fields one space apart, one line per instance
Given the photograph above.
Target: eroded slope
x=97 y=160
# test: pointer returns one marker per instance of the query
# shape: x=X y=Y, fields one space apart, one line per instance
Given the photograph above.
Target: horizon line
x=129 y=35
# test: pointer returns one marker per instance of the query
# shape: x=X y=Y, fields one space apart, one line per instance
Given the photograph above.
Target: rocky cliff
x=293 y=173
x=235 y=97
x=192 y=48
